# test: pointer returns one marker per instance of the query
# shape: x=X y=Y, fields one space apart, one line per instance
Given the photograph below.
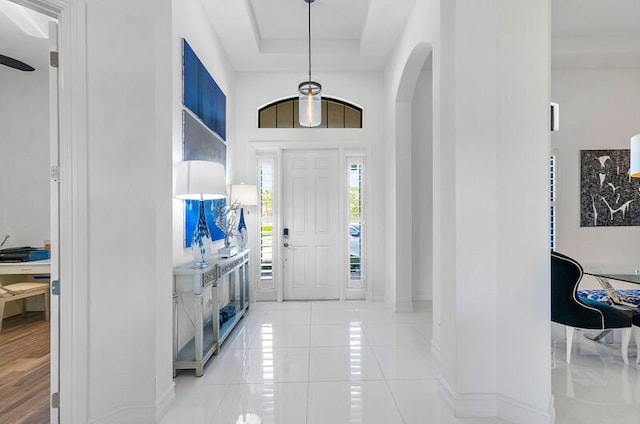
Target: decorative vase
x=201 y=244
x=243 y=236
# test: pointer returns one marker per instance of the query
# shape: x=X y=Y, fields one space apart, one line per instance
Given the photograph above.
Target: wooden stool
x=22 y=291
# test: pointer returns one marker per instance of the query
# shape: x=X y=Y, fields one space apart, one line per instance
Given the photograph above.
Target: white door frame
x=54 y=225
x=275 y=150
x=73 y=205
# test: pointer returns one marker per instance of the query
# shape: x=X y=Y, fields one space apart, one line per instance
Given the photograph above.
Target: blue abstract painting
x=191 y=218
x=201 y=94
x=199 y=142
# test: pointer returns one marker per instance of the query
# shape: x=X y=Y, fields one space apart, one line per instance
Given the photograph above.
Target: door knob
x=288 y=245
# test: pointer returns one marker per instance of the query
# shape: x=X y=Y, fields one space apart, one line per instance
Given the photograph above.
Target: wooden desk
x=15 y=272
x=29 y=268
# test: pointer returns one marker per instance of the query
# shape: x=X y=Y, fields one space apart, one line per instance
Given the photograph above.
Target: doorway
x=311 y=224
x=29 y=216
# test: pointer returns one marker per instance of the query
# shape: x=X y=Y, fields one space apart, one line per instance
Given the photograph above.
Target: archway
x=413 y=175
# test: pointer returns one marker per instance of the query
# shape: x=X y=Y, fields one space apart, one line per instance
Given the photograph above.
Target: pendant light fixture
x=635 y=156
x=310 y=101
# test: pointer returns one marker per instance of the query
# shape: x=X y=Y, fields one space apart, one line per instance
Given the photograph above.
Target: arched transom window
x=335 y=114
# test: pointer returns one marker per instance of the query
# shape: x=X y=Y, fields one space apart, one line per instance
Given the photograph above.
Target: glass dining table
x=618 y=273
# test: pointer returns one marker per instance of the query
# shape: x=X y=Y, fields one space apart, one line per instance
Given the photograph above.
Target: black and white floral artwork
x=608 y=194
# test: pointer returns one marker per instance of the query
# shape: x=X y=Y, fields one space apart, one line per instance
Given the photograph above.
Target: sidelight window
x=355 y=222
x=266 y=220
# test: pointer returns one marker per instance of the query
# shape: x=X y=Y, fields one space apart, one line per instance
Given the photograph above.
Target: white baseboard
x=435 y=350
x=164 y=403
x=265 y=295
x=515 y=411
x=425 y=296
x=141 y=413
x=404 y=307
x=355 y=294
x=465 y=406
x=493 y=405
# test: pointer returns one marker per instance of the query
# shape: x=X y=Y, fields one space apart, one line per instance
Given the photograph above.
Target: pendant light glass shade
x=634 y=171
x=310 y=104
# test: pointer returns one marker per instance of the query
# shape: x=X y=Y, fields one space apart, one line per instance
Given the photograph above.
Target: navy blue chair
x=577 y=312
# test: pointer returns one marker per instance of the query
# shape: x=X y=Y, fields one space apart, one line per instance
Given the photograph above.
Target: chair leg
x=569 y=336
x=626 y=338
x=636 y=336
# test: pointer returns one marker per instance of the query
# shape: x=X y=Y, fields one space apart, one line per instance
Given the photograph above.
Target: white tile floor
x=358 y=362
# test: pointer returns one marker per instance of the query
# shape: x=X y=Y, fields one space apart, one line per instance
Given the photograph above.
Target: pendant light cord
x=309 y=40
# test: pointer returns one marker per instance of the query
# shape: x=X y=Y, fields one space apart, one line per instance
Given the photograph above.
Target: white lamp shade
x=635 y=156
x=200 y=179
x=245 y=194
x=310 y=110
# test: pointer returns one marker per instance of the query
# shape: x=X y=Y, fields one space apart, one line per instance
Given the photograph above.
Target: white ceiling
x=272 y=35
x=359 y=35
x=14 y=41
x=596 y=33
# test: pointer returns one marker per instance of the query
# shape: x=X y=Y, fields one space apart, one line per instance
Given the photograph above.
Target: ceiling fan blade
x=15 y=63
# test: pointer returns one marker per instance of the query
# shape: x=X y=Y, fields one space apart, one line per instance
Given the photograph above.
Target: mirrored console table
x=198 y=294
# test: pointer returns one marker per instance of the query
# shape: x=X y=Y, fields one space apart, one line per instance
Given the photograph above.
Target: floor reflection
x=597 y=387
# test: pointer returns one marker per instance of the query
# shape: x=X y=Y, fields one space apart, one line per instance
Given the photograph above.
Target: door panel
x=312 y=215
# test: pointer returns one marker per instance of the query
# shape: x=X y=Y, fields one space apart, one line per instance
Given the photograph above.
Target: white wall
x=120 y=136
x=24 y=153
x=422 y=184
x=491 y=94
x=128 y=235
x=256 y=90
x=598 y=110
x=191 y=23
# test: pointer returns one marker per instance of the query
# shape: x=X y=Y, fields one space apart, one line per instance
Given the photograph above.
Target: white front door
x=312 y=219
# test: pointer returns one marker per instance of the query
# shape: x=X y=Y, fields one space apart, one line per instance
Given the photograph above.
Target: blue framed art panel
x=201 y=94
x=199 y=142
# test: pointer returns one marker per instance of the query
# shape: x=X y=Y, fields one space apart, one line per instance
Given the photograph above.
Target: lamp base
x=201 y=244
x=243 y=236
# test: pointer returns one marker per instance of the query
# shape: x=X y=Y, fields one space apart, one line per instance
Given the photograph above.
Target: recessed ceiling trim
x=30 y=22
x=320 y=47
x=51 y=8
x=254 y=23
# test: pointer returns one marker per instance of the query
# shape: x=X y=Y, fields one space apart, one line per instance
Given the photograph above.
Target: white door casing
x=54 y=161
x=311 y=215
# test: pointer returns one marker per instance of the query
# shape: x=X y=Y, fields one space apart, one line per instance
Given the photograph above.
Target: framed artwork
x=199 y=142
x=608 y=194
x=201 y=94
x=203 y=132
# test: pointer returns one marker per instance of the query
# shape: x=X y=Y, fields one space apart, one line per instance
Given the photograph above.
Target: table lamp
x=200 y=180
x=245 y=195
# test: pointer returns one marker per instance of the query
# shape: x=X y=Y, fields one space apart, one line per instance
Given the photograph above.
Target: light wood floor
x=24 y=370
